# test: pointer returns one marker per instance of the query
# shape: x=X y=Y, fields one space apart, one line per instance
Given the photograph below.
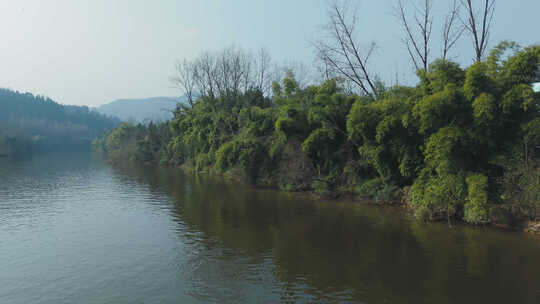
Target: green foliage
x=440 y=109
x=257 y=121
x=326 y=185
x=520 y=68
x=376 y=189
x=31 y=123
x=495 y=61
x=370 y=187
x=390 y=143
x=476 y=206
x=202 y=161
x=441 y=150
x=437 y=196
x=144 y=143
x=484 y=110
x=463 y=142
x=440 y=74
x=245 y=153
x=477 y=81
x=120 y=144
x=521 y=180
x=362 y=122
x=318 y=141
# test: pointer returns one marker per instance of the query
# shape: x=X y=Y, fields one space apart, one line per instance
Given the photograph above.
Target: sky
x=90 y=52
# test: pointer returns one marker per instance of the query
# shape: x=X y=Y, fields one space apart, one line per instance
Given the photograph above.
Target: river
x=75 y=230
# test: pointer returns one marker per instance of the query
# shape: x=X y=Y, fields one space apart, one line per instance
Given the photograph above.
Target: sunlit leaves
x=476 y=206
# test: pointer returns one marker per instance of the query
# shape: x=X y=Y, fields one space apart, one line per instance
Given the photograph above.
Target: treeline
x=463 y=144
x=36 y=123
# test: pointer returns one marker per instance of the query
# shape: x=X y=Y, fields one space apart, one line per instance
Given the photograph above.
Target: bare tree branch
x=451 y=31
x=417 y=35
x=185 y=79
x=230 y=72
x=340 y=50
x=263 y=80
x=478 y=24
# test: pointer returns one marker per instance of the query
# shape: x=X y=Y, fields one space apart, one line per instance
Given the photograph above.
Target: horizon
x=99 y=105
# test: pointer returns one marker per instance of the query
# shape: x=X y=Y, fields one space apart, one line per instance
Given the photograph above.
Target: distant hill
x=30 y=123
x=155 y=109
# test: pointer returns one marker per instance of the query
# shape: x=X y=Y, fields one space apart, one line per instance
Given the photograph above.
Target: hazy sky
x=94 y=51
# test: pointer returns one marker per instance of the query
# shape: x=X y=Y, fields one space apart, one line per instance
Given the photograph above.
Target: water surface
x=75 y=230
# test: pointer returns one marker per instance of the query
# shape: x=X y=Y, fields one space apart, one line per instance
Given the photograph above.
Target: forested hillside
x=462 y=144
x=36 y=123
x=156 y=109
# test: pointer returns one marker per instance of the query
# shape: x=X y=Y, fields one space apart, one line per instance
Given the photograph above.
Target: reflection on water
x=73 y=229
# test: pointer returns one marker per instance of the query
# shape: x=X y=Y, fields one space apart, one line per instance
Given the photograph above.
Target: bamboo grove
x=462 y=144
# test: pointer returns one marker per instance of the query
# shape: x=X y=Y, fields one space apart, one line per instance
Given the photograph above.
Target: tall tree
x=452 y=29
x=418 y=28
x=478 y=24
x=417 y=32
x=184 y=79
x=340 y=49
x=230 y=72
x=262 y=72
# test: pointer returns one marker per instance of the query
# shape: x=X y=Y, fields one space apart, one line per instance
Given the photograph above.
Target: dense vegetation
x=36 y=123
x=463 y=144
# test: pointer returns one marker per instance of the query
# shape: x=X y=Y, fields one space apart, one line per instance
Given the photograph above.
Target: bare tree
x=247 y=66
x=205 y=74
x=229 y=72
x=262 y=71
x=417 y=32
x=452 y=30
x=234 y=71
x=185 y=79
x=323 y=70
x=340 y=51
x=249 y=76
x=478 y=24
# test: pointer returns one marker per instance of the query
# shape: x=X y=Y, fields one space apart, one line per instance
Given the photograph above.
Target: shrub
x=476 y=211
x=437 y=197
x=202 y=161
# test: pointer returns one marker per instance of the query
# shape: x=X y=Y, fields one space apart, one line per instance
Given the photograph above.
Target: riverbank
x=532 y=227
x=399 y=202
x=236 y=175
x=451 y=147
